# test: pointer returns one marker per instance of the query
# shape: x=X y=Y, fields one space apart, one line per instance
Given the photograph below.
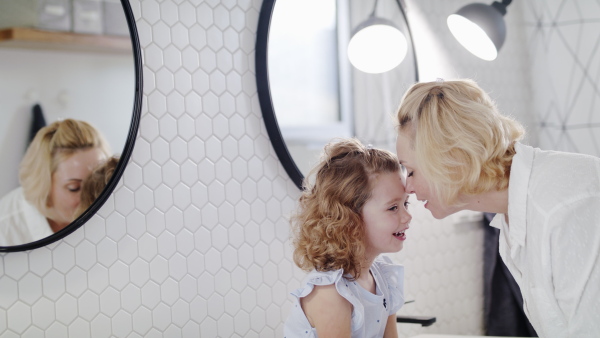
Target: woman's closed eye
x=73 y=188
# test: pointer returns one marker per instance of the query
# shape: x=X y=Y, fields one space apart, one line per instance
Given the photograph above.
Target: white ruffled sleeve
x=341 y=285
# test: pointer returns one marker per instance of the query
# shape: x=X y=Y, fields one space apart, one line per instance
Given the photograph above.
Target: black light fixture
x=377 y=45
x=480 y=28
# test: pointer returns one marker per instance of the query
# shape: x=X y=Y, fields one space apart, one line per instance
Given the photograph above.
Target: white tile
x=208 y=60
x=183 y=81
x=222 y=282
x=63 y=258
x=153 y=57
x=212 y=261
x=167 y=246
x=98 y=278
x=187 y=14
x=76 y=282
x=215 y=306
x=150 y=294
x=160 y=150
x=19 y=317
x=195 y=266
x=150 y=11
x=139 y=272
x=219 y=237
x=165 y=81
x=170 y=174
x=161 y=317
x=181 y=315
x=161 y=34
x=197 y=37
x=43 y=313
x=100 y=326
x=30 y=288
x=204 y=15
x=121 y=323
x=220 y=125
x=224 y=61
x=40 y=261
x=118 y=274
x=116 y=226
x=227 y=104
x=216 y=193
x=180 y=36
x=157 y=100
x=231 y=41
x=172 y=58
x=189 y=172
x=198 y=309
x=57 y=329
x=17 y=266
x=177 y=266
x=206 y=286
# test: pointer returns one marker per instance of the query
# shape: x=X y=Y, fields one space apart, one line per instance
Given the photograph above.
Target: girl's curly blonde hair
x=328 y=227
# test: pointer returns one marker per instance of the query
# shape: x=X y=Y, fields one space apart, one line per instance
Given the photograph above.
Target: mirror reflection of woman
x=60 y=157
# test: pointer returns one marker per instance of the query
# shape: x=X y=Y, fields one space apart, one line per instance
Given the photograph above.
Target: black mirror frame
x=264 y=91
x=125 y=155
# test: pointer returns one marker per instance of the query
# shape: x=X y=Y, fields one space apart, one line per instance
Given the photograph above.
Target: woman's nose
x=409 y=186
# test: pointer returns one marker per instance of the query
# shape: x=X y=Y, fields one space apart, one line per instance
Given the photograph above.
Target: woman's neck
x=495 y=201
x=55 y=226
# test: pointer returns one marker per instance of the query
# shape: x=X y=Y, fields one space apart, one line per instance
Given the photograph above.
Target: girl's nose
x=406 y=217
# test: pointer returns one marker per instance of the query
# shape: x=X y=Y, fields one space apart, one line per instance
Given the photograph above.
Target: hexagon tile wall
x=194 y=240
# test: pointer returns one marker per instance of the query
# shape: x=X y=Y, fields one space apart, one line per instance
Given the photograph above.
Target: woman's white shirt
x=551 y=243
x=20 y=222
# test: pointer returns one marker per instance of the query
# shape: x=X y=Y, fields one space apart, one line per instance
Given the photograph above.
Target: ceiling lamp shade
x=480 y=28
x=377 y=46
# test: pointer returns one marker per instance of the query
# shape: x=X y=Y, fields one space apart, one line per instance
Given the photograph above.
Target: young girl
x=355 y=210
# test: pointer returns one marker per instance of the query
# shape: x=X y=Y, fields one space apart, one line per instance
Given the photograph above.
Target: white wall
x=194 y=240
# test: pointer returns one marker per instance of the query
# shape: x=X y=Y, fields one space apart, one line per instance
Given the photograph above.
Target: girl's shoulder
x=391 y=280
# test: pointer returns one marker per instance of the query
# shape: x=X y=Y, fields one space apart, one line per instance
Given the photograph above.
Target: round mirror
x=75 y=63
x=310 y=92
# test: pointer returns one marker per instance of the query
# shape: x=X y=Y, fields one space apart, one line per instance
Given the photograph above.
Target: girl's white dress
x=370 y=311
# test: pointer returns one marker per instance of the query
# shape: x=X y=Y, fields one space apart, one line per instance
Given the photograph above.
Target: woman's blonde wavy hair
x=328 y=227
x=52 y=145
x=462 y=143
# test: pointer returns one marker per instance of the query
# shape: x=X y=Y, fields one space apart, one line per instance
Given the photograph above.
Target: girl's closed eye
x=394 y=208
x=410 y=174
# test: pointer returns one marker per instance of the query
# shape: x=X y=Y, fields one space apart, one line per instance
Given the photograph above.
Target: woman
x=58 y=160
x=462 y=154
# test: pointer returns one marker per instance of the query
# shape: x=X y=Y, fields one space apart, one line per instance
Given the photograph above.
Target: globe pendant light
x=480 y=28
x=377 y=45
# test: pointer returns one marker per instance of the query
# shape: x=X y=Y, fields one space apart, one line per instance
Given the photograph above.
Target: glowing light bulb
x=377 y=48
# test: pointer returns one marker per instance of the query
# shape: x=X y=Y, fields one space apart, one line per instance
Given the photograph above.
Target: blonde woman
x=355 y=210
x=461 y=153
x=60 y=157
